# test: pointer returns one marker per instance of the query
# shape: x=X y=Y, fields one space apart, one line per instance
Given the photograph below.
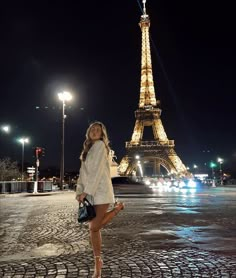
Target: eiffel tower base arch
x=155 y=163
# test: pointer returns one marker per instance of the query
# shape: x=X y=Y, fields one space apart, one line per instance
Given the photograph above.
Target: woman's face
x=95 y=132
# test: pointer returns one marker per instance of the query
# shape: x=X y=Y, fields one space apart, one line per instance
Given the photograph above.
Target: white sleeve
x=96 y=167
x=79 y=183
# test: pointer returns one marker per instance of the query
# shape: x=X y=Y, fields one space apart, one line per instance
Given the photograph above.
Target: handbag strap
x=87 y=201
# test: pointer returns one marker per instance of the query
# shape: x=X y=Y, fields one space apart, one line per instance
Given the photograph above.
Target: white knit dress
x=95 y=177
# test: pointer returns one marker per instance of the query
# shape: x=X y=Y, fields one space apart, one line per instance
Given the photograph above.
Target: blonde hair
x=88 y=142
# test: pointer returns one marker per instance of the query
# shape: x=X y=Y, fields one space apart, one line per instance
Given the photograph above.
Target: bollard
x=35 y=187
x=213 y=183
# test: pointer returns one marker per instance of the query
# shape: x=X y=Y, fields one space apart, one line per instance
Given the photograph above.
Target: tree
x=8 y=169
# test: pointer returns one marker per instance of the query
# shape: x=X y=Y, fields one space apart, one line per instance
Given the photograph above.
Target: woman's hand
x=81 y=197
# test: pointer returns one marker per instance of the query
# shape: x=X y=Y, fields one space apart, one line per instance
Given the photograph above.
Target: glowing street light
x=23 y=140
x=195 y=167
x=64 y=96
x=220 y=160
x=6 y=128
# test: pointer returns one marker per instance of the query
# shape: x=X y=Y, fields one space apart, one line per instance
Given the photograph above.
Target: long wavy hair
x=88 y=142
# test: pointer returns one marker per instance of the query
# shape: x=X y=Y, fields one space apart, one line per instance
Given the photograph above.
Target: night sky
x=93 y=50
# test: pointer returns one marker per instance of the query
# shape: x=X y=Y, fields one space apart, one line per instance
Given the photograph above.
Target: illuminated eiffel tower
x=159 y=152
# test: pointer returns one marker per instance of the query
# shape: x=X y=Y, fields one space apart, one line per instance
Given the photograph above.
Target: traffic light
x=39 y=151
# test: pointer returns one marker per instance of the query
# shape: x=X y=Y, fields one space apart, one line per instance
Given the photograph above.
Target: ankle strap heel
x=98 y=267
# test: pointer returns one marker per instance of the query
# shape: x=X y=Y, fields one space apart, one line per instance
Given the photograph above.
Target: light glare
x=6 y=128
x=24 y=140
x=220 y=160
x=65 y=96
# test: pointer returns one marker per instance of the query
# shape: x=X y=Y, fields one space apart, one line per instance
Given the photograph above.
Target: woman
x=95 y=181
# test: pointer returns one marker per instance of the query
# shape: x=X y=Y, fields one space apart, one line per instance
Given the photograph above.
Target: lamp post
x=213 y=165
x=23 y=140
x=220 y=160
x=139 y=165
x=195 y=167
x=64 y=96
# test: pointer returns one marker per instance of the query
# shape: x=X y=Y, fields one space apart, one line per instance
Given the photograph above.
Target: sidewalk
x=26 y=194
x=40 y=237
x=132 y=263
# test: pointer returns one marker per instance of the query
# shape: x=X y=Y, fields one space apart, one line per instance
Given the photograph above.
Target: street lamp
x=195 y=167
x=23 y=140
x=140 y=168
x=213 y=165
x=64 y=96
x=139 y=165
x=220 y=160
x=5 y=128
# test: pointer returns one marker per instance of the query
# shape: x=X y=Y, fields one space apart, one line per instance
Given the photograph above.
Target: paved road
x=168 y=234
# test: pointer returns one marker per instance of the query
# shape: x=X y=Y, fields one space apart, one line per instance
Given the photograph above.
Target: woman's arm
x=95 y=167
x=79 y=183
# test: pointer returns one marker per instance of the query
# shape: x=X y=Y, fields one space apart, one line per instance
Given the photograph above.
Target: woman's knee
x=94 y=227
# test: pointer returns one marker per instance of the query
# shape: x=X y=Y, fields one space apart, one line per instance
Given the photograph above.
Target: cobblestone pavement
x=40 y=237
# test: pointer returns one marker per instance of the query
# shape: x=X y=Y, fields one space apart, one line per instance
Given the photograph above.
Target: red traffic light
x=39 y=151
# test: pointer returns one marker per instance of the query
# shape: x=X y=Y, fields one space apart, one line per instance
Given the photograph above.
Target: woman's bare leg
x=95 y=236
x=95 y=225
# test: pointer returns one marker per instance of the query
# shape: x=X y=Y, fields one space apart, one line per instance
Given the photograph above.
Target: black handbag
x=86 y=211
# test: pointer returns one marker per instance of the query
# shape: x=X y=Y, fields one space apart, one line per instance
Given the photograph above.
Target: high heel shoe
x=98 y=267
x=118 y=206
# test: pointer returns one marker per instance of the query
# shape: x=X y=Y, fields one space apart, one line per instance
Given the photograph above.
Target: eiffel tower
x=160 y=151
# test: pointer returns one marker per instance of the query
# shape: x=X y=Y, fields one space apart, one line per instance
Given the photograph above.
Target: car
x=129 y=185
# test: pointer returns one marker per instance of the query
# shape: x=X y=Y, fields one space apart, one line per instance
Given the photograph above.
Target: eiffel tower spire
x=160 y=151
x=147 y=91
